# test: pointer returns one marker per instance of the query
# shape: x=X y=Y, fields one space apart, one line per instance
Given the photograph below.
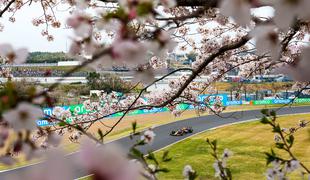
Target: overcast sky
x=23 y=34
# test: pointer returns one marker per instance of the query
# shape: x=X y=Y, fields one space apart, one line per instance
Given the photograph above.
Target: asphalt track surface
x=163 y=139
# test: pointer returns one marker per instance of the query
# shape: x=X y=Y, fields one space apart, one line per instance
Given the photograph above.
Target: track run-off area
x=163 y=139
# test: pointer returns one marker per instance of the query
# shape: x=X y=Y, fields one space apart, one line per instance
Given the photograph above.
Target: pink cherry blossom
x=187 y=170
x=168 y=3
x=81 y=23
x=287 y=10
x=24 y=116
x=108 y=162
x=300 y=70
x=267 y=41
x=57 y=112
x=125 y=52
x=148 y=136
x=239 y=10
x=17 y=56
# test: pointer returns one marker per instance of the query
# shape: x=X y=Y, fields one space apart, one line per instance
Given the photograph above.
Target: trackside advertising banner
x=79 y=108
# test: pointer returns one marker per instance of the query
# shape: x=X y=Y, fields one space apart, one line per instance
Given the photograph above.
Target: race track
x=163 y=138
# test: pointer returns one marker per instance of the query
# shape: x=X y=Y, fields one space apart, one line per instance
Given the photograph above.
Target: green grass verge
x=248 y=141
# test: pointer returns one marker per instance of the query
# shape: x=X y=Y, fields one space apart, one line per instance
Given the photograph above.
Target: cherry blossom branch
x=198 y=13
x=233 y=67
x=195 y=73
x=133 y=108
x=297 y=95
x=290 y=35
x=75 y=126
x=6 y=7
x=287 y=147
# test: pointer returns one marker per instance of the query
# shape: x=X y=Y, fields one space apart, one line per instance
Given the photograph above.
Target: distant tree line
x=108 y=83
x=47 y=57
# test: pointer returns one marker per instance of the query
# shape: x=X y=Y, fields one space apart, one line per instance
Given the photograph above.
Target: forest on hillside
x=47 y=57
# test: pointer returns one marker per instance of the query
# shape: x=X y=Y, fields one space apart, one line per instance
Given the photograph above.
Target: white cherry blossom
x=300 y=69
x=287 y=10
x=58 y=111
x=291 y=166
x=108 y=162
x=24 y=116
x=267 y=41
x=239 y=10
x=168 y=3
x=81 y=23
x=148 y=136
x=11 y=55
x=129 y=52
x=187 y=171
x=227 y=154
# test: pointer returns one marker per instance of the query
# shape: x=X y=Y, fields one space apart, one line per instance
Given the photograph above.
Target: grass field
x=248 y=141
x=252 y=87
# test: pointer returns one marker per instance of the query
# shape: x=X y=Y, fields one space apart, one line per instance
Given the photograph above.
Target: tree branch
x=6 y=7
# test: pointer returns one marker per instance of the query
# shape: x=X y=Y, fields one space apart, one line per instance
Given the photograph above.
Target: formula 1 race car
x=182 y=131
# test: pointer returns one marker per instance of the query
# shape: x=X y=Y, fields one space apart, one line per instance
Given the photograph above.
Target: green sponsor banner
x=78 y=108
x=165 y=109
x=69 y=120
x=302 y=100
x=136 y=112
x=260 y=102
x=117 y=114
x=182 y=106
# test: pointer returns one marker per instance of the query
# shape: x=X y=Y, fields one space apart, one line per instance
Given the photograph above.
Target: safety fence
x=80 y=109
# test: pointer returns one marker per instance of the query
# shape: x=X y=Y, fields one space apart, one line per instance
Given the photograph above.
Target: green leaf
x=193 y=175
x=165 y=157
x=140 y=143
x=118 y=14
x=151 y=156
x=290 y=140
x=144 y=8
x=265 y=120
x=228 y=172
x=165 y=170
x=265 y=112
x=78 y=127
x=61 y=124
x=270 y=157
x=280 y=145
x=273 y=113
x=134 y=127
x=214 y=143
x=277 y=129
x=136 y=153
x=100 y=133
